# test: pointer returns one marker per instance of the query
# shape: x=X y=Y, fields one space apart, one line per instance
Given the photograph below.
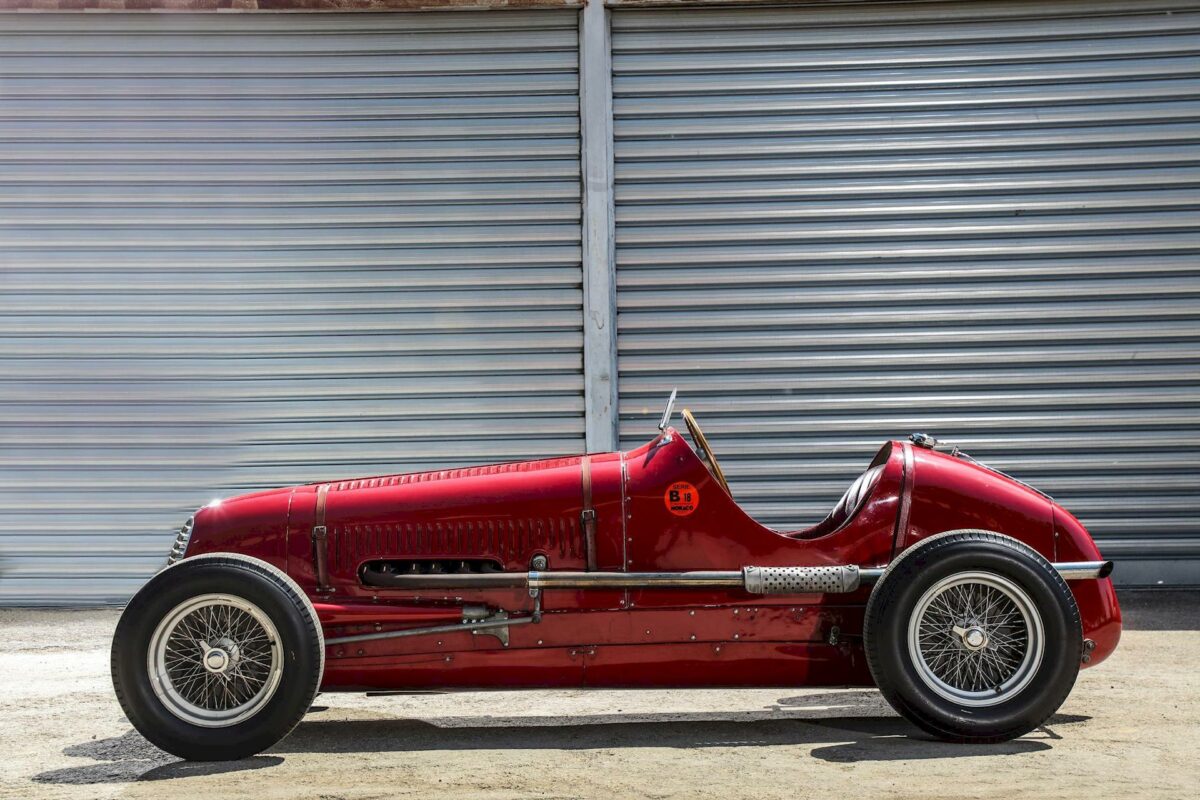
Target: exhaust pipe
x=756 y=580
x=1082 y=570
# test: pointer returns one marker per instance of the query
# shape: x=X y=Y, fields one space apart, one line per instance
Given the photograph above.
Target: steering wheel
x=701 y=442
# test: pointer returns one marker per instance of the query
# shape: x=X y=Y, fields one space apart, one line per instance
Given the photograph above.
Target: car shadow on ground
x=842 y=727
x=838 y=739
x=141 y=761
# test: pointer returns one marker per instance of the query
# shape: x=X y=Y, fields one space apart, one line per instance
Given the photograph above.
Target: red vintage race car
x=970 y=599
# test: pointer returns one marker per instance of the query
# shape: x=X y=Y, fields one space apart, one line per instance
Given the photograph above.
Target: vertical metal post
x=599 y=263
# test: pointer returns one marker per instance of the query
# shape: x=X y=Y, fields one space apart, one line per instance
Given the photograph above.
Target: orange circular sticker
x=681 y=498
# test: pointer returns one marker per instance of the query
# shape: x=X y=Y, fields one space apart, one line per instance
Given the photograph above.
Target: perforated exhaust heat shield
x=798 y=580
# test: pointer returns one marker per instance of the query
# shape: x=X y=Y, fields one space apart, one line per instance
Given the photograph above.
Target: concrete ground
x=1129 y=729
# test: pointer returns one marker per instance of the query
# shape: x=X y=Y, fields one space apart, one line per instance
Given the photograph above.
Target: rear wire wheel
x=973 y=636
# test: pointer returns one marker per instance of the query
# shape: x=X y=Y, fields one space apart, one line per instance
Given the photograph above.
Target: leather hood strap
x=320 y=539
x=589 y=514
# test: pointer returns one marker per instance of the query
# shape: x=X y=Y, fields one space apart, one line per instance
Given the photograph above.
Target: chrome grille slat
x=181 y=541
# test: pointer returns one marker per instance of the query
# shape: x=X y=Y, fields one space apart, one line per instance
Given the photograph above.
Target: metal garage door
x=250 y=250
x=840 y=224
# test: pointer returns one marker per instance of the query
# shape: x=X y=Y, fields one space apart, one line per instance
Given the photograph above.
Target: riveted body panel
x=658 y=511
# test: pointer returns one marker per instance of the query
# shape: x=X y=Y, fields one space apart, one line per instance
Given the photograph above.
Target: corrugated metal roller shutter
x=250 y=250
x=841 y=224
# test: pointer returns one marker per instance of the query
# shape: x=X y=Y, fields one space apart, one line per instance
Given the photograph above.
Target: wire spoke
x=244 y=657
x=997 y=627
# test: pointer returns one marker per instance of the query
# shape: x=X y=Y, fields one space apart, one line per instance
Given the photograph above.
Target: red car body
x=508 y=514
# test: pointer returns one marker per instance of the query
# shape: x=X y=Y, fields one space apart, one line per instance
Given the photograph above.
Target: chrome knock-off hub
x=973 y=638
x=976 y=638
x=215 y=660
x=219 y=657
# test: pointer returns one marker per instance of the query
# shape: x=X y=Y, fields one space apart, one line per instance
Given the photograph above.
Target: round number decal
x=681 y=498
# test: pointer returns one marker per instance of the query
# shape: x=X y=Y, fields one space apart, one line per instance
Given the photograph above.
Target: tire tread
x=288 y=589
x=883 y=595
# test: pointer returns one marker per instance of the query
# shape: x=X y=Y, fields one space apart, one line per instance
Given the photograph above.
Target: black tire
x=909 y=687
x=299 y=656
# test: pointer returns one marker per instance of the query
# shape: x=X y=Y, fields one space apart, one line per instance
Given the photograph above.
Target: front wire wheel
x=215 y=660
x=217 y=657
x=973 y=636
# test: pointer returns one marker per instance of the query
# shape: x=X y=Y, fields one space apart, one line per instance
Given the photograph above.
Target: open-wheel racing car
x=970 y=599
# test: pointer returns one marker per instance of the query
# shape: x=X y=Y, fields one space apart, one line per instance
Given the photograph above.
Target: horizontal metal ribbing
x=195 y=312
x=833 y=229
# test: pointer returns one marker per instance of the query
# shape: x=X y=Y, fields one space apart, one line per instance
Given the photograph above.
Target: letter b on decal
x=681 y=498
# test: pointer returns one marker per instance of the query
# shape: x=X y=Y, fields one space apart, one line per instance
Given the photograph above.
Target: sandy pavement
x=1131 y=728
